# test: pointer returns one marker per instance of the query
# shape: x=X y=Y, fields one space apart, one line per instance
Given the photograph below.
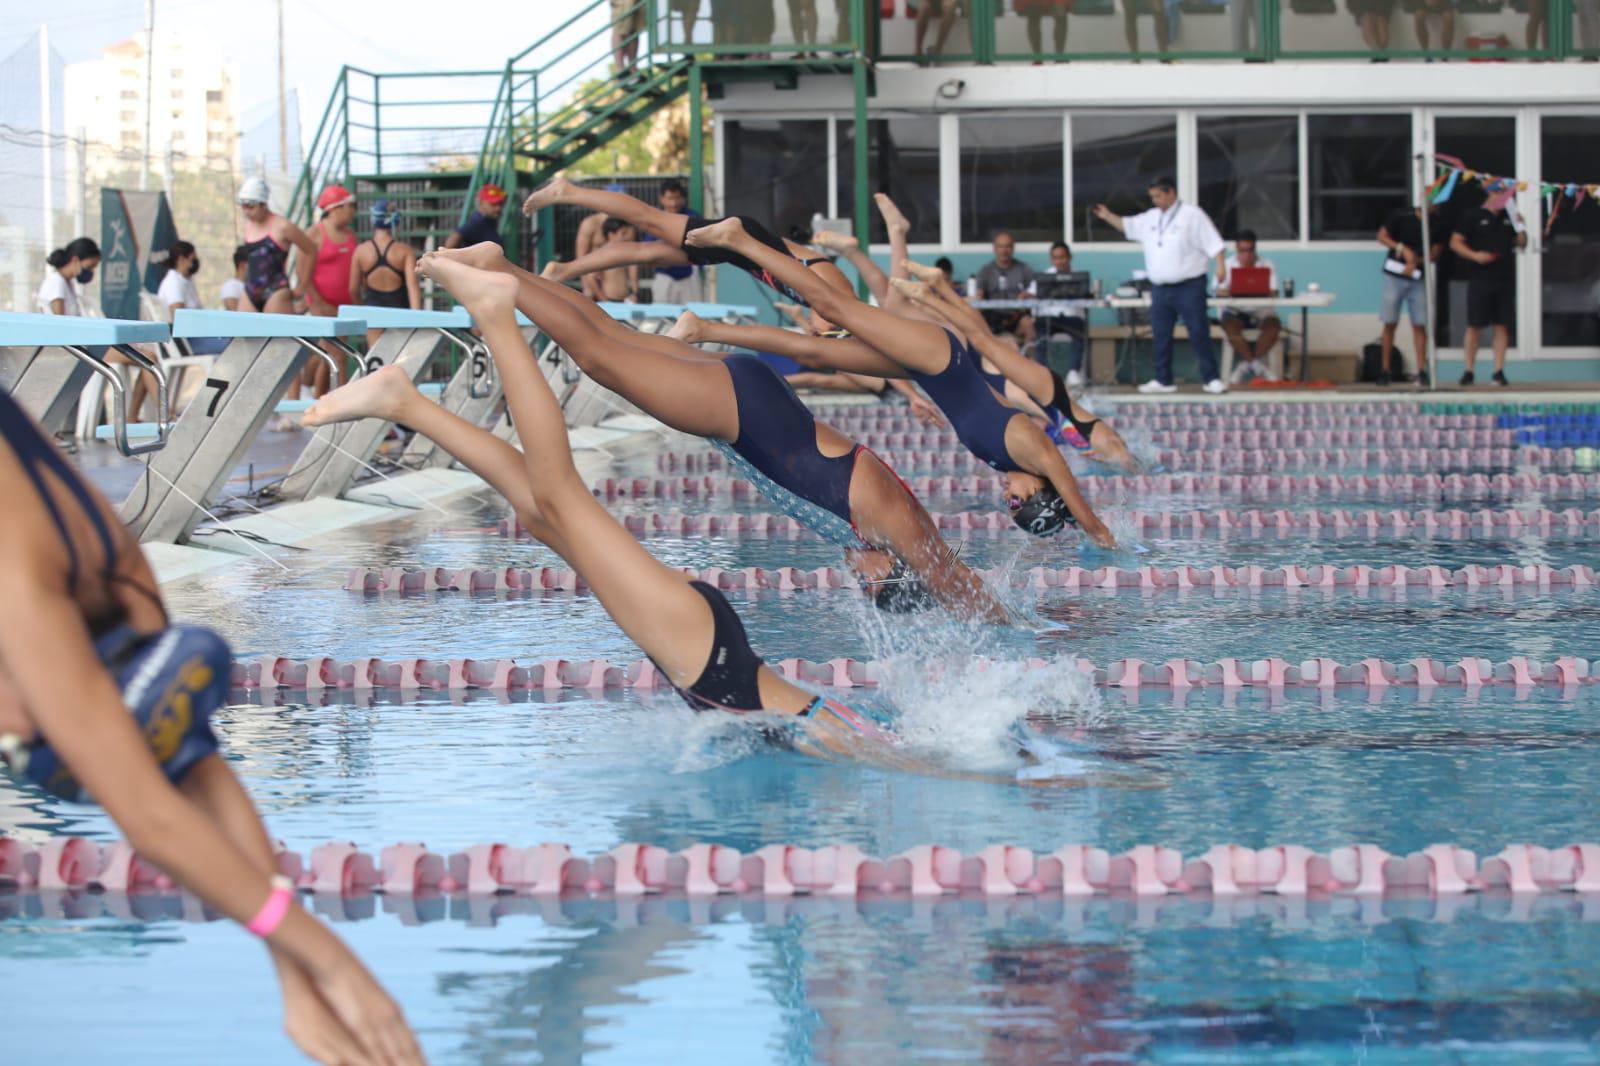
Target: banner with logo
x=135 y=232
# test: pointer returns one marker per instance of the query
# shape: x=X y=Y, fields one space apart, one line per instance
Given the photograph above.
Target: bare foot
x=550 y=193
x=833 y=242
x=383 y=393
x=552 y=270
x=897 y=224
x=717 y=235
x=930 y=274
x=484 y=292
x=917 y=291
x=485 y=255
x=795 y=313
x=687 y=329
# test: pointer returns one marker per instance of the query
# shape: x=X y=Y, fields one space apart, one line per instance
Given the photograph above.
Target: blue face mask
x=85 y=276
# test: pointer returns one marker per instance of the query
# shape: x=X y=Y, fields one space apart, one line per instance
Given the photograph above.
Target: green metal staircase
x=429 y=142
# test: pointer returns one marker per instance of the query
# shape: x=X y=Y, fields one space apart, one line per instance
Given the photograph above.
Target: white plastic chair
x=174 y=354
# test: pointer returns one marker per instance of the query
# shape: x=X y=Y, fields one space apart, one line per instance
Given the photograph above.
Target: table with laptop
x=1250 y=290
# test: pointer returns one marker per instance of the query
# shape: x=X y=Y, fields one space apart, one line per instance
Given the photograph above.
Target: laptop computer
x=1071 y=286
x=1250 y=281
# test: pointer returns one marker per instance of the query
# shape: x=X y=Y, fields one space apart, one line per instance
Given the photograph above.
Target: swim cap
x=333 y=196
x=254 y=191
x=491 y=194
x=383 y=217
x=902 y=592
x=1042 y=514
x=171 y=683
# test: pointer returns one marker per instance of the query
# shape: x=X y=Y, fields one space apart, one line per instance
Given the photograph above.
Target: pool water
x=1488 y=978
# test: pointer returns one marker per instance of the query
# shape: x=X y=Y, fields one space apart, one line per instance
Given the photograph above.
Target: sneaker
x=1154 y=386
x=1243 y=373
x=1422 y=379
x=1467 y=377
x=1263 y=371
x=1074 y=379
x=1500 y=378
x=1384 y=379
x=1215 y=387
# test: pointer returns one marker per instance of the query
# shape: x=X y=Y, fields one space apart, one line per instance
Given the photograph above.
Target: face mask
x=85 y=276
x=194 y=267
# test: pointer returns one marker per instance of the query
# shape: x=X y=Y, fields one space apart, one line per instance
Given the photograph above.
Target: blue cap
x=382 y=216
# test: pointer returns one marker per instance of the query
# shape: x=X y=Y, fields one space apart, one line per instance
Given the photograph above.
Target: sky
x=320 y=36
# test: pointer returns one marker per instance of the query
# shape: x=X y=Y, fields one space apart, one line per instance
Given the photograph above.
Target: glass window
x=1011 y=178
x=903 y=157
x=1569 y=152
x=776 y=171
x=1250 y=174
x=1488 y=145
x=1360 y=170
x=1114 y=160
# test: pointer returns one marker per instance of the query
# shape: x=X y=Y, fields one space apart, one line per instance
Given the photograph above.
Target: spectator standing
x=1488 y=238
x=1074 y=327
x=675 y=284
x=1252 y=357
x=232 y=294
x=382 y=272
x=946 y=11
x=1035 y=11
x=1372 y=16
x=484 y=223
x=1446 y=12
x=1401 y=234
x=1007 y=278
x=627 y=25
x=1179 y=243
x=1132 y=9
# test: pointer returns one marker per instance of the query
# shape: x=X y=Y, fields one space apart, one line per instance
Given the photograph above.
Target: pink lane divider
x=599 y=674
x=1000 y=870
x=1109 y=578
x=1283 y=486
x=1221 y=521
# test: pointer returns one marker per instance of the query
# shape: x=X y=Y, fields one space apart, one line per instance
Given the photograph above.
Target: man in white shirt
x=1252 y=358
x=1179 y=244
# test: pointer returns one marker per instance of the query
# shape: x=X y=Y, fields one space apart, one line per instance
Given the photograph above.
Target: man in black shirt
x=1401 y=234
x=484 y=224
x=1486 y=238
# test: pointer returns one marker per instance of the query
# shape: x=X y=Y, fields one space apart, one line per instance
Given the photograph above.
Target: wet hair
x=1164 y=183
x=1246 y=235
x=613 y=225
x=84 y=248
x=241 y=256
x=673 y=185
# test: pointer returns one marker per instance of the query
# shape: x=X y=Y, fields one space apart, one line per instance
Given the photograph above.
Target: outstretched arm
x=1033 y=451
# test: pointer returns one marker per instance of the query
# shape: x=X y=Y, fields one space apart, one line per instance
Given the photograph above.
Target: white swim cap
x=254 y=191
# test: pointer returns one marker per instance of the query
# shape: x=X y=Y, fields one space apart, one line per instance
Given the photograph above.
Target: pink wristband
x=272 y=912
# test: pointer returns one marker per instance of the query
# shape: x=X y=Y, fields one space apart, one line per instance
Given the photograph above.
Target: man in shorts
x=1488 y=238
x=1401 y=234
x=1252 y=357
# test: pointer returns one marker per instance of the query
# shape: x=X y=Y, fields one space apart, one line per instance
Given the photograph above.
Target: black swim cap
x=902 y=592
x=1042 y=514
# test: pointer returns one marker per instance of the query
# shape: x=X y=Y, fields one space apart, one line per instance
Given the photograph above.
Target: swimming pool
x=1488 y=977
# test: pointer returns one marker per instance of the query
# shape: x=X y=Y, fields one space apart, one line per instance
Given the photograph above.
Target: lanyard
x=1165 y=222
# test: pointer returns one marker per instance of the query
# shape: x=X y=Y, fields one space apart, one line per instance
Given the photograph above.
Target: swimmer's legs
x=817 y=353
x=619 y=254
x=919 y=346
x=658 y=223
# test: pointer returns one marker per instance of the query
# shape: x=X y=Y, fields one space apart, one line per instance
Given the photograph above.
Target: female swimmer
x=102 y=696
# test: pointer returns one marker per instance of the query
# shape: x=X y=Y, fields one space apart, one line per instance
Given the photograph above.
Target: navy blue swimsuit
x=979 y=419
x=778 y=437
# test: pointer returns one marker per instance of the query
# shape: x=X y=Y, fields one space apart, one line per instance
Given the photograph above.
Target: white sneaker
x=1243 y=373
x=1074 y=379
x=1155 y=386
x=1215 y=387
x=1264 y=371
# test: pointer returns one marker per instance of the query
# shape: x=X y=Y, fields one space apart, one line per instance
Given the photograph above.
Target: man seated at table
x=1252 y=358
x=1070 y=325
x=1007 y=278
